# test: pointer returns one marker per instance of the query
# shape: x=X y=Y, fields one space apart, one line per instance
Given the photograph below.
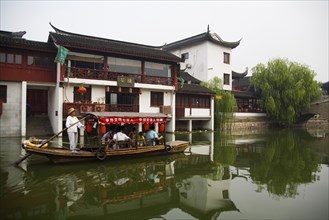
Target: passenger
x=120 y=136
x=151 y=136
x=108 y=137
x=133 y=136
x=141 y=139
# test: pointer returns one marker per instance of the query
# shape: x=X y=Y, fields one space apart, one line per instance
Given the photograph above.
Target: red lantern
x=140 y=91
x=119 y=89
x=162 y=127
x=102 y=129
x=130 y=90
x=82 y=90
x=107 y=88
x=146 y=127
x=89 y=127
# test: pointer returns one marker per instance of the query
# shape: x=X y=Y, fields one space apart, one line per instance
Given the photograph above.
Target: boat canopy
x=129 y=117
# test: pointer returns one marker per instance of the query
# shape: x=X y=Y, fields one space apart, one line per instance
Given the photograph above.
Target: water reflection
x=144 y=189
x=280 y=162
x=210 y=182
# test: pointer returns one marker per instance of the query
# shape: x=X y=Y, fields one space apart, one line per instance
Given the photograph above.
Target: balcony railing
x=85 y=73
x=82 y=108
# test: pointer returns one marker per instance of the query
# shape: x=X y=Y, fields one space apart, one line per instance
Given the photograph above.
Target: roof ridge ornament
x=208 y=30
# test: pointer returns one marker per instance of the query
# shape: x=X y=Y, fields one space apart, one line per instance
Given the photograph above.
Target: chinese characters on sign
x=61 y=55
x=115 y=120
x=124 y=81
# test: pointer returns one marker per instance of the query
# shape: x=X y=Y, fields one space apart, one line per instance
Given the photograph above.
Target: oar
x=26 y=156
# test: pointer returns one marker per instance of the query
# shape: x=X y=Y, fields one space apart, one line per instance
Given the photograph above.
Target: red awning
x=129 y=117
x=143 y=120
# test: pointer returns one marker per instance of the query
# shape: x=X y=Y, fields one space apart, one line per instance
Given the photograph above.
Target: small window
x=3 y=93
x=226 y=58
x=225 y=194
x=30 y=60
x=10 y=58
x=18 y=59
x=185 y=56
x=156 y=99
x=2 y=57
x=226 y=79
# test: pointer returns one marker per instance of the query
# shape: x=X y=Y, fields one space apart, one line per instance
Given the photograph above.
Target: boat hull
x=62 y=155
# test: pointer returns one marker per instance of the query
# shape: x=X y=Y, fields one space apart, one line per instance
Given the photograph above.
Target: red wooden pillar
x=174 y=72
x=62 y=70
x=143 y=71
x=105 y=67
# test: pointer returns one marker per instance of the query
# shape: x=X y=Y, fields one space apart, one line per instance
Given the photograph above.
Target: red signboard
x=137 y=120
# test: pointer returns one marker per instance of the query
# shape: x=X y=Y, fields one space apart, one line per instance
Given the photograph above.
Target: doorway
x=37 y=102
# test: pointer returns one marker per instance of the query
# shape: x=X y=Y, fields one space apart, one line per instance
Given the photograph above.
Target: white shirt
x=119 y=136
x=70 y=121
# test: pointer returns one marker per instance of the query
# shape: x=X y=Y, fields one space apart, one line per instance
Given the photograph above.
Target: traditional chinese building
x=205 y=56
x=27 y=84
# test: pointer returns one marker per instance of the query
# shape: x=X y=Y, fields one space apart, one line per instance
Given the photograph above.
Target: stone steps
x=38 y=126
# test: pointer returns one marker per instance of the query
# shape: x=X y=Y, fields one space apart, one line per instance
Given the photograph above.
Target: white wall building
x=206 y=56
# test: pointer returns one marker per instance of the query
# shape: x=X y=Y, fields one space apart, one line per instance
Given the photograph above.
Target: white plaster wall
x=197 y=59
x=145 y=103
x=216 y=65
x=167 y=98
x=68 y=93
x=249 y=114
x=10 y=120
x=97 y=93
x=198 y=112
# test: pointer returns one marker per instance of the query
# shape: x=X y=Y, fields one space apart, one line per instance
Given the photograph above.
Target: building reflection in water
x=118 y=190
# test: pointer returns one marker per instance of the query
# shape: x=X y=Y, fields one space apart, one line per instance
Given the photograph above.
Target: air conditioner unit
x=165 y=109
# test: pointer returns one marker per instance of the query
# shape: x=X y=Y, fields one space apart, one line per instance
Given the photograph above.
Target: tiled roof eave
x=119 y=53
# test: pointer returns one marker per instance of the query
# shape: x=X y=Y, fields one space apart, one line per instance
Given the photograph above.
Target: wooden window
x=3 y=93
x=156 y=99
x=185 y=56
x=2 y=57
x=226 y=58
x=40 y=61
x=10 y=58
x=200 y=101
x=78 y=97
x=226 y=79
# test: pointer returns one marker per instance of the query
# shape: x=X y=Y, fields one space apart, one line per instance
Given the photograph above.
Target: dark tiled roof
x=78 y=41
x=188 y=78
x=195 y=89
x=7 y=40
x=236 y=75
x=207 y=36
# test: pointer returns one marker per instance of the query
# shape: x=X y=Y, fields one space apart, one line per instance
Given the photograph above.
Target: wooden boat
x=96 y=151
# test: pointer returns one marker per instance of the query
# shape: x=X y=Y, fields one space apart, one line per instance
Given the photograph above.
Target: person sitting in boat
x=133 y=136
x=120 y=136
x=108 y=137
x=152 y=137
x=141 y=139
x=72 y=125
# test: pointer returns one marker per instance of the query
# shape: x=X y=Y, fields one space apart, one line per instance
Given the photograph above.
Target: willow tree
x=225 y=103
x=286 y=87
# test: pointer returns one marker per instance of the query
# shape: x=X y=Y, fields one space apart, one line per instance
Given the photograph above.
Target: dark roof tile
x=207 y=36
x=9 y=41
x=188 y=78
x=72 y=40
x=195 y=89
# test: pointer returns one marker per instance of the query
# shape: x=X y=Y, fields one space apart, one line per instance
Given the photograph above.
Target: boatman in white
x=73 y=130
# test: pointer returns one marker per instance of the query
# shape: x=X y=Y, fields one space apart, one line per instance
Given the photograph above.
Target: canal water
x=256 y=175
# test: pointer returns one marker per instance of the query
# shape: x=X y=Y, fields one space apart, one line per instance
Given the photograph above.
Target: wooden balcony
x=82 y=108
x=85 y=73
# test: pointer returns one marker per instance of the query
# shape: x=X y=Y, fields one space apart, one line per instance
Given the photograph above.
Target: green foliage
x=287 y=88
x=284 y=163
x=225 y=103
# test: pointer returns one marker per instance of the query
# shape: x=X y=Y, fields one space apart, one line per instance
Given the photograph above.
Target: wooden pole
x=26 y=156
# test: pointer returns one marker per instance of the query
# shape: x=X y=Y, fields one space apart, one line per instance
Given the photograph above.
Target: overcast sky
x=297 y=30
